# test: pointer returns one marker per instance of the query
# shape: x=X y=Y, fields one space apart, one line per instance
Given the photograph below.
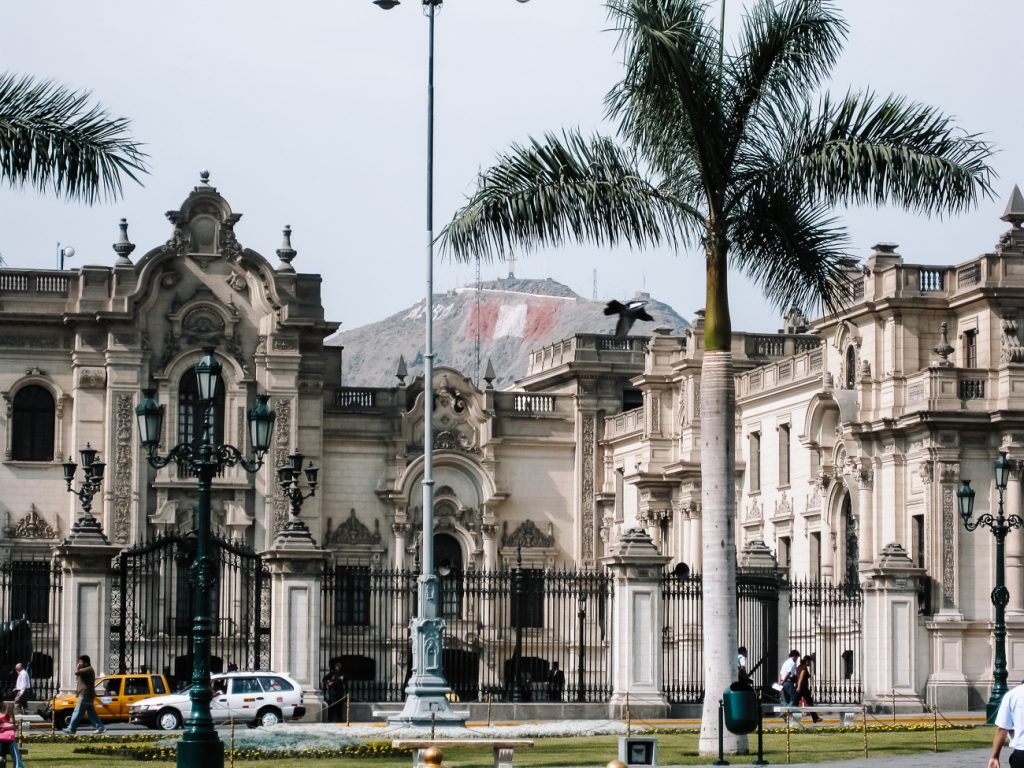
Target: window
x=632 y=398
x=784 y=454
x=246 y=685
x=158 y=684
x=814 y=569
x=619 y=487
x=191 y=415
x=30 y=591
x=276 y=684
x=754 y=462
x=851 y=367
x=917 y=553
x=32 y=424
x=970 y=349
x=528 y=609
x=351 y=596
x=782 y=553
x=136 y=686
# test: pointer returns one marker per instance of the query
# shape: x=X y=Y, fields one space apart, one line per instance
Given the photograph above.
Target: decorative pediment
x=527 y=536
x=352 y=532
x=32 y=526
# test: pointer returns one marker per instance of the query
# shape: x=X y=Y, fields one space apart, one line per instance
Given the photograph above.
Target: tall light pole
x=426 y=694
x=200 y=747
x=1000 y=525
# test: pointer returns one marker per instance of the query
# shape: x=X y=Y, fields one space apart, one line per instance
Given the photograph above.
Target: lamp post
x=426 y=694
x=64 y=252
x=200 y=747
x=86 y=527
x=295 y=531
x=581 y=668
x=1000 y=525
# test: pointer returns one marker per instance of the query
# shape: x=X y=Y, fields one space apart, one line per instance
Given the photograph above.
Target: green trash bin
x=740 y=709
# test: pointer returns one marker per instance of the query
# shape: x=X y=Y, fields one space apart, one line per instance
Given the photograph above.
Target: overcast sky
x=312 y=113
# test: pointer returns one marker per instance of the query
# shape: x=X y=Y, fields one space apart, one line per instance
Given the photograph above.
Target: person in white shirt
x=787 y=678
x=1010 y=722
x=21 y=686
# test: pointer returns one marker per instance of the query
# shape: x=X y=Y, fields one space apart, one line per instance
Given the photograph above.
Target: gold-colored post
x=864 y=723
x=489 y=696
x=348 y=709
x=231 y=751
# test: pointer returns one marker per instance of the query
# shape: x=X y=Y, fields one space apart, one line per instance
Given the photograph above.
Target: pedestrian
x=9 y=736
x=335 y=687
x=556 y=682
x=742 y=675
x=1009 y=722
x=232 y=667
x=804 y=696
x=787 y=678
x=86 y=697
x=21 y=689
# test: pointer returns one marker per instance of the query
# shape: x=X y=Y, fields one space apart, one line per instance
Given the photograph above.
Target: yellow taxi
x=114 y=696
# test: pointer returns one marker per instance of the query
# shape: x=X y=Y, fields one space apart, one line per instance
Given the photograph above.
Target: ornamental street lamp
x=200 y=747
x=1000 y=525
x=86 y=528
x=426 y=694
x=295 y=530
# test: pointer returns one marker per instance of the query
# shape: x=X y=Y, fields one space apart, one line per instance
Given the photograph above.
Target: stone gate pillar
x=296 y=569
x=636 y=566
x=85 y=602
x=890 y=632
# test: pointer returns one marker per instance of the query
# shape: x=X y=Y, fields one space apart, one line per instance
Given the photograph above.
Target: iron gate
x=504 y=632
x=30 y=589
x=757 y=607
x=825 y=622
x=152 y=608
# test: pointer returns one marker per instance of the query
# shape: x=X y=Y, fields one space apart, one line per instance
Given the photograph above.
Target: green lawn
x=673 y=748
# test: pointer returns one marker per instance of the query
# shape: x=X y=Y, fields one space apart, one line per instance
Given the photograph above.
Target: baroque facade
x=852 y=431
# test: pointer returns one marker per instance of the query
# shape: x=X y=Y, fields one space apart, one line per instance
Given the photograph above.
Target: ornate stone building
x=853 y=431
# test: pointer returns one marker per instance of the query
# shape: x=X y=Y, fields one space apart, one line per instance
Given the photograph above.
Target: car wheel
x=268 y=716
x=168 y=720
x=61 y=719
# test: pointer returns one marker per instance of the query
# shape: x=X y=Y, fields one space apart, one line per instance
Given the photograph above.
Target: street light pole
x=426 y=693
x=200 y=747
x=86 y=528
x=1000 y=525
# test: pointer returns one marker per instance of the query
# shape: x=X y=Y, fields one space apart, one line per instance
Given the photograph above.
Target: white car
x=257 y=698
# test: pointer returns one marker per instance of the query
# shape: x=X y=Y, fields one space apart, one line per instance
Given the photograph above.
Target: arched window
x=448 y=566
x=190 y=416
x=32 y=424
x=851 y=367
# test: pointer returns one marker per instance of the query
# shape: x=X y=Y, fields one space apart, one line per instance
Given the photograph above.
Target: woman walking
x=804 y=696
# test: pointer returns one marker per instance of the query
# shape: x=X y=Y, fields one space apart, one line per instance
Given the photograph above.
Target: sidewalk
x=968 y=758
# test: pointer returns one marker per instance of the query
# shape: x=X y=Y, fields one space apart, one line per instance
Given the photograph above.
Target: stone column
x=866 y=517
x=1014 y=548
x=637 y=566
x=890 y=632
x=85 y=607
x=296 y=571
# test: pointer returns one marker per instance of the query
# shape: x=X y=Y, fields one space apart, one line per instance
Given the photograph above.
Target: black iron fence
x=757 y=606
x=152 y=608
x=516 y=635
x=826 y=622
x=30 y=591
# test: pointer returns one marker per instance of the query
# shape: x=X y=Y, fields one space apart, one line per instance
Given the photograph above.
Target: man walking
x=1010 y=722
x=787 y=678
x=21 y=688
x=86 y=697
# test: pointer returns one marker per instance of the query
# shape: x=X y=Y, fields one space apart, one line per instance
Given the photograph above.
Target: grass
x=822 y=745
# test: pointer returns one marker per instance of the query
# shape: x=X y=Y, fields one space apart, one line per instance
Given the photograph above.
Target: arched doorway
x=851 y=544
x=448 y=566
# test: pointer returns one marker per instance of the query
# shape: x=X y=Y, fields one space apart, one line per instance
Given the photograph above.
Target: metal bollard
x=760 y=732
x=721 y=735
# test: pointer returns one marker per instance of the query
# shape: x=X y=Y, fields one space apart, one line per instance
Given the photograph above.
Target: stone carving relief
x=124 y=420
x=587 y=495
x=948 y=553
x=311 y=383
x=92 y=378
x=282 y=442
x=527 y=536
x=949 y=472
x=783 y=506
x=926 y=470
x=284 y=344
x=31 y=526
x=865 y=478
x=754 y=510
x=1011 y=350
x=352 y=532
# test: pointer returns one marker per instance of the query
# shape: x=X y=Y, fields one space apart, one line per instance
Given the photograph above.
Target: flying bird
x=628 y=314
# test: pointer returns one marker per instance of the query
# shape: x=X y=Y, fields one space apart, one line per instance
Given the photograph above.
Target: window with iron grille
x=528 y=606
x=30 y=591
x=32 y=424
x=351 y=596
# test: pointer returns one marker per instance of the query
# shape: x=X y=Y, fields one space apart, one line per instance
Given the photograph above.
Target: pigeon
x=628 y=314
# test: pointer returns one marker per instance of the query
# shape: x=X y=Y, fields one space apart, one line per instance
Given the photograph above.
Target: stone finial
x=1014 y=213
x=286 y=253
x=123 y=247
x=944 y=350
x=489 y=375
x=402 y=371
x=204 y=177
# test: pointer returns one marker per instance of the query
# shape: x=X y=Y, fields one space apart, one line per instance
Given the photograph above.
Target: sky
x=312 y=113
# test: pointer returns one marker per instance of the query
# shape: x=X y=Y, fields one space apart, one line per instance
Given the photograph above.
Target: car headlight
x=140 y=707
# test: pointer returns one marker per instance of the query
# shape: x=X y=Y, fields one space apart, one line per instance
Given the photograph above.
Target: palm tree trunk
x=718 y=503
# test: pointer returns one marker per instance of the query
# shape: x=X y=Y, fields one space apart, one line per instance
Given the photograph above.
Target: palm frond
x=795 y=251
x=55 y=138
x=784 y=52
x=565 y=189
x=668 y=103
x=867 y=150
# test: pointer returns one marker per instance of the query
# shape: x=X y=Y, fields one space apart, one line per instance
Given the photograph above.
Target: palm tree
x=55 y=138
x=738 y=155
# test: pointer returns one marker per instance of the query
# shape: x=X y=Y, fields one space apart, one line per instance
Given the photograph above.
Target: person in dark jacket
x=86 y=697
x=335 y=686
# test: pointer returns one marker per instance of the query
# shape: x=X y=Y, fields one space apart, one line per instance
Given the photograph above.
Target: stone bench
x=847 y=712
x=503 y=748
